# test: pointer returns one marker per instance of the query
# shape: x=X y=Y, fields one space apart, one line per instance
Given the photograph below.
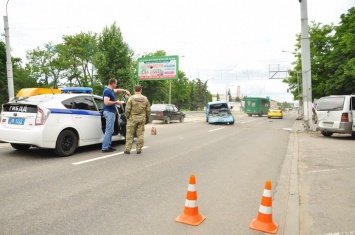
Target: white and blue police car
x=61 y=122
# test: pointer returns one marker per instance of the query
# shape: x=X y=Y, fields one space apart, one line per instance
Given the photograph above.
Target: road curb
x=286 y=197
x=292 y=222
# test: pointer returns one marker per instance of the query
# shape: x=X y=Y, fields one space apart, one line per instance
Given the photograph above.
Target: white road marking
x=216 y=129
x=326 y=170
x=340 y=233
x=103 y=157
x=251 y=120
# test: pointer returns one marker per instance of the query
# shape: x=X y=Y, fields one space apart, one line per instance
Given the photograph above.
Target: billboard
x=158 y=67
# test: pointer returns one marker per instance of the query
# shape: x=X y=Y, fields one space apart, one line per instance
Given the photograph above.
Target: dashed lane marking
x=340 y=233
x=216 y=129
x=103 y=157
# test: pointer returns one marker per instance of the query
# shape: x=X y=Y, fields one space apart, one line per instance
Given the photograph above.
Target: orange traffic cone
x=190 y=215
x=264 y=221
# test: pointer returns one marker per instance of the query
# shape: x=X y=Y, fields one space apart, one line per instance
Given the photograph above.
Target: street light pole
x=306 y=67
x=10 y=80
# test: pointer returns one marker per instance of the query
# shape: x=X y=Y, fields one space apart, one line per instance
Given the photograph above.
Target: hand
x=128 y=93
x=118 y=102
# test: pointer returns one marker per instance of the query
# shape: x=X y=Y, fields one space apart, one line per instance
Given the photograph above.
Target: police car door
x=87 y=118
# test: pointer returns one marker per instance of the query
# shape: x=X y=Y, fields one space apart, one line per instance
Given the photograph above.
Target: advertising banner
x=158 y=68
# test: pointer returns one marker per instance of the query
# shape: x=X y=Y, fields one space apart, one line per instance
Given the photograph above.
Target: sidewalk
x=320 y=195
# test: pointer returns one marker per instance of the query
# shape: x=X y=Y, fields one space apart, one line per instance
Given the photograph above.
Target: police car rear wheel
x=67 y=143
x=21 y=146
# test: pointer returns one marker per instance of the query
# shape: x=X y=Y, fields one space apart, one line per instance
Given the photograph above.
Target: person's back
x=139 y=107
x=137 y=114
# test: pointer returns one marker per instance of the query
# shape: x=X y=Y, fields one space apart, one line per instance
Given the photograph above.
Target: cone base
x=191 y=220
x=264 y=227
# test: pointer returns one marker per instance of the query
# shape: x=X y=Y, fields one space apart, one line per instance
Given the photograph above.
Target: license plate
x=153 y=114
x=16 y=121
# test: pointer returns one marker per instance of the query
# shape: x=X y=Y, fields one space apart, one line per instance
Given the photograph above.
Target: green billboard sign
x=158 y=67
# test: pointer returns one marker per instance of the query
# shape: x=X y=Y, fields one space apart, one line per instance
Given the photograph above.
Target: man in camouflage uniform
x=137 y=114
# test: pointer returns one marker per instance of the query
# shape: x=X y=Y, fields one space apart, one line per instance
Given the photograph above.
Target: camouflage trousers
x=134 y=126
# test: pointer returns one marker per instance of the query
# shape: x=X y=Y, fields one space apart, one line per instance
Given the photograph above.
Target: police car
x=61 y=122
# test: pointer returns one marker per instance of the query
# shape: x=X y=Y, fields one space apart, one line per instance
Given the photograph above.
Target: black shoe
x=139 y=151
x=127 y=152
x=108 y=151
x=110 y=148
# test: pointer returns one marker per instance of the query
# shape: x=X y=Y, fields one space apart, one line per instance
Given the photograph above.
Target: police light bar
x=76 y=90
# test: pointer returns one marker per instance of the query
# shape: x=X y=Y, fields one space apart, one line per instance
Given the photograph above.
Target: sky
x=228 y=43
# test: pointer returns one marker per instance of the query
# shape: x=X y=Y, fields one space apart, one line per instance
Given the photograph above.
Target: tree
x=229 y=95
x=218 y=98
x=180 y=91
x=4 y=93
x=45 y=65
x=341 y=61
x=76 y=54
x=22 y=76
x=332 y=58
x=114 y=57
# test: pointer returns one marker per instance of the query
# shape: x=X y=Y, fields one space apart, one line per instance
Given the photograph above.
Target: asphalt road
x=95 y=193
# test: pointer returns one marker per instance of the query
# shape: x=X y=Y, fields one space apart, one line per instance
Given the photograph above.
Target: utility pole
x=10 y=79
x=306 y=67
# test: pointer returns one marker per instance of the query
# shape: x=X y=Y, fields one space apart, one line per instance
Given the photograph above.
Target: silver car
x=336 y=114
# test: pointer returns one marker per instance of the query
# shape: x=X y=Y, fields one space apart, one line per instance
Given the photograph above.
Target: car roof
x=218 y=102
x=162 y=104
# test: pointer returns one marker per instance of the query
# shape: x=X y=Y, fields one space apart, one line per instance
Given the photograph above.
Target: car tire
x=206 y=119
x=249 y=114
x=327 y=134
x=21 y=147
x=182 y=119
x=168 y=120
x=67 y=143
x=353 y=135
x=232 y=123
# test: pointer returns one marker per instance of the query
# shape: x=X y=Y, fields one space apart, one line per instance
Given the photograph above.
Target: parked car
x=275 y=111
x=336 y=114
x=61 y=122
x=166 y=113
x=219 y=112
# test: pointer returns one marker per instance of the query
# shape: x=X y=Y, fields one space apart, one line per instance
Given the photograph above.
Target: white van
x=336 y=114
